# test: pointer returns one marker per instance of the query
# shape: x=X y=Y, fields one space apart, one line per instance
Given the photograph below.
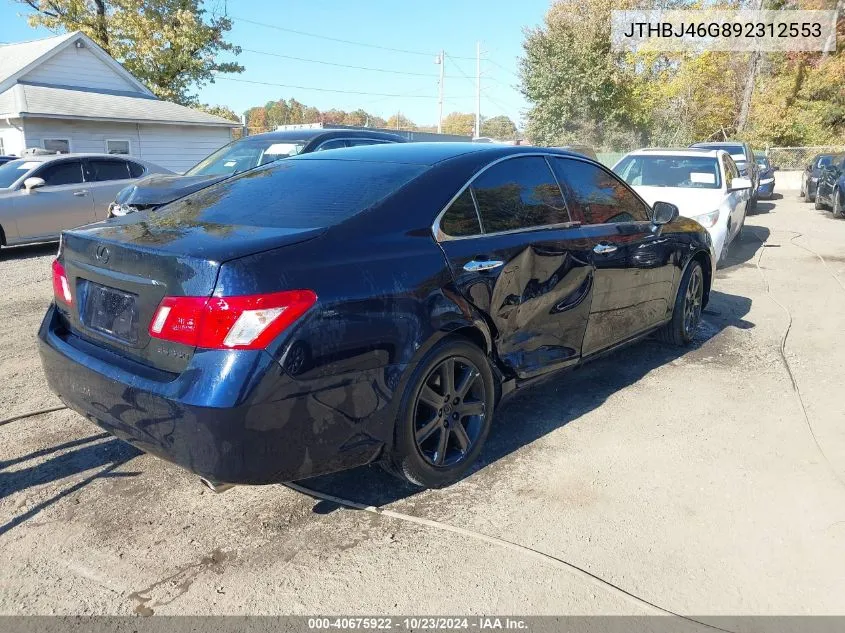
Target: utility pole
x=477 y=89
x=441 y=60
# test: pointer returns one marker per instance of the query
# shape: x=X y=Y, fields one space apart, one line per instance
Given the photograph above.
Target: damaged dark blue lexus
x=371 y=303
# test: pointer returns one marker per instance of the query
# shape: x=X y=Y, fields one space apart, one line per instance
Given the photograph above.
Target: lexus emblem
x=103 y=253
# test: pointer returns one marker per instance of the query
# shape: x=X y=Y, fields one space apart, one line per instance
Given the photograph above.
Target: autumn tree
x=169 y=45
x=498 y=127
x=400 y=122
x=461 y=123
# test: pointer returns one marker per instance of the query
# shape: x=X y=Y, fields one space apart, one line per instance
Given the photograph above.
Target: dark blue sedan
x=767 y=176
x=372 y=303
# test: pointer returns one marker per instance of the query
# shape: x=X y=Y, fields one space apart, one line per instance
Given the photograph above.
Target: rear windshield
x=737 y=152
x=296 y=194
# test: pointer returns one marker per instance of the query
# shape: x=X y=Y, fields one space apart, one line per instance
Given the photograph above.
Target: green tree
x=218 y=110
x=462 y=123
x=167 y=44
x=498 y=127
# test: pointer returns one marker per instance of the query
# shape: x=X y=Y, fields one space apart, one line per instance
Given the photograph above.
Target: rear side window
x=598 y=197
x=103 y=170
x=333 y=144
x=519 y=193
x=364 y=141
x=461 y=219
x=297 y=194
x=136 y=170
x=63 y=173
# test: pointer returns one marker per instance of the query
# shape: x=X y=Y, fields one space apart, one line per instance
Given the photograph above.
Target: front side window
x=245 y=154
x=731 y=171
x=519 y=193
x=597 y=196
x=60 y=145
x=63 y=173
x=103 y=170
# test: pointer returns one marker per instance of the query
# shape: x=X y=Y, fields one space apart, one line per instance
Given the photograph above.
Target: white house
x=67 y=94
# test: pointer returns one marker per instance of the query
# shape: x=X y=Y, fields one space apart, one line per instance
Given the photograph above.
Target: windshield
x=13 y=170
x=670 y=171
x=763 y=162
x=245 y=154
x=824 y=161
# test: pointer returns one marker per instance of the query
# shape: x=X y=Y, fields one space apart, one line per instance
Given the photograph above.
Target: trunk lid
x=121 y=270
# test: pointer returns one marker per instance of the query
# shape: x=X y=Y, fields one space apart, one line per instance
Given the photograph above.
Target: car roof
x=717 y=143
x=677 y=151
x=309 y=134
x=429 y=153
x=44 y=158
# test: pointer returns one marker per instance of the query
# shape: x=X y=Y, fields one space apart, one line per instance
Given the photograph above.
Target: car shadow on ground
x=88 y=453
x=544 y=407
x=744 y=249
x=25 y=252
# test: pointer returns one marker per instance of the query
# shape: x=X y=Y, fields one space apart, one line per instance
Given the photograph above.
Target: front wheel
x=686 y=314
x=445 y=415
x=818 y=205
x=837 y=205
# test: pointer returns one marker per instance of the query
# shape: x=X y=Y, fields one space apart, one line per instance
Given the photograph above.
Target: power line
x=350 y=92
x=338 y=65
x=507 y=70
x=335 y=39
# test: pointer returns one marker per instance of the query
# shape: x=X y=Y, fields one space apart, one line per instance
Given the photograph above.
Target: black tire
x=803 y=192
x=818 y=205
x=686 y=314
x=423 y=430
x=838 y=212
x=811 y=197
x=752 y=204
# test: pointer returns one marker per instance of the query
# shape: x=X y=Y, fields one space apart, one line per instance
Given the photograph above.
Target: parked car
x=237 y=156
x=704 y=184
x=830 y=190
x=810 y=177
x=584 y=150
x=766 y=188
x=743 y=156
x=373 y=303
x=42 y=195
x=6 y=159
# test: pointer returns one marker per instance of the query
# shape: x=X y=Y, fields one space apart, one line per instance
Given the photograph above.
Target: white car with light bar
x=704 y=184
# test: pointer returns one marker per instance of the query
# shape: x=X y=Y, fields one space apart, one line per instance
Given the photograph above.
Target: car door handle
x=477 y=265
x=603 y=249
x=80 y=193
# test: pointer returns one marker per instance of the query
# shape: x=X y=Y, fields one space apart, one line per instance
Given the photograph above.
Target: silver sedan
x=42 y=195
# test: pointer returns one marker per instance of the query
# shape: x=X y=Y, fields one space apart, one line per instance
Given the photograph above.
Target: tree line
x=582 y=91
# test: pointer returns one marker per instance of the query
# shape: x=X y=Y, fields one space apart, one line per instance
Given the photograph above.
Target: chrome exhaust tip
x=215 y=486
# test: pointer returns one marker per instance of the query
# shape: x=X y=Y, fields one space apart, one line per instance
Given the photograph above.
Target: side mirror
x=31 y=184
x=740 y=183
x=664 y=212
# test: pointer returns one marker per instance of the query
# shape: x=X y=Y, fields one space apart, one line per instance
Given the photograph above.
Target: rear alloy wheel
x=445 y=417
x=837 y=204
x=689 y=303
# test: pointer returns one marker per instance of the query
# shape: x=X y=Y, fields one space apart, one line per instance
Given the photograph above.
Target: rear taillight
x=61 y=286
x=244 y=322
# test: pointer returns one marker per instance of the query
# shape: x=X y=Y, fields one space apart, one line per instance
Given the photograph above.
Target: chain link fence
x=797 y=158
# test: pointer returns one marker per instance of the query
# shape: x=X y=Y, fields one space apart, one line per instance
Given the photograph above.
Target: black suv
x=743 y=156
x=237 y=156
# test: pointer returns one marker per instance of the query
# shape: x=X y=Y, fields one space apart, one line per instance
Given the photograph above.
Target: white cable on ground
x=30 y=414
x=498 y=542
x=796 y=389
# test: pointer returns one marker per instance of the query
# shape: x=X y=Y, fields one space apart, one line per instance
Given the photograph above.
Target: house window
x=117 y=146
x=60 y=145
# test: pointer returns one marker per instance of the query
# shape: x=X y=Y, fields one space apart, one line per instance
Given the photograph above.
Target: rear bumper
x=766 y=188
x=231 y=416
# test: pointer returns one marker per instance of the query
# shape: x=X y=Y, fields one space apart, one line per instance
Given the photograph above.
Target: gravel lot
x=690 y=478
